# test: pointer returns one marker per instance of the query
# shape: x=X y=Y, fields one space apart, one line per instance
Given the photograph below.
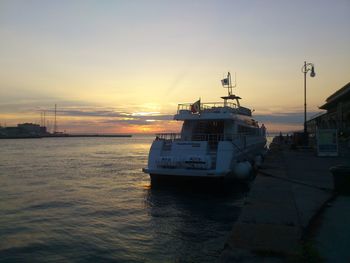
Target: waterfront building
x=337 y=115
x=23 y=130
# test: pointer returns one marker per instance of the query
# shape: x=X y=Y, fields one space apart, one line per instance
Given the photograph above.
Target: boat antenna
x=229 y=87
x=235 y=81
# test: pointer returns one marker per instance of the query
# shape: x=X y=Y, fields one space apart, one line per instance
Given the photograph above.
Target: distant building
x=30 y=128
x=23 y=130
x=337 y=115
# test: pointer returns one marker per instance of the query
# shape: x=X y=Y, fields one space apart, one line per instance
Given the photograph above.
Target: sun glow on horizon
x=124 y=66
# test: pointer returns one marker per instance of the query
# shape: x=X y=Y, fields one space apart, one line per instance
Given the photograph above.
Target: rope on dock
x=295 y=181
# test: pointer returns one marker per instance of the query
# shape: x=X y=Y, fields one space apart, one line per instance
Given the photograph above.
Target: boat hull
x=195 y=182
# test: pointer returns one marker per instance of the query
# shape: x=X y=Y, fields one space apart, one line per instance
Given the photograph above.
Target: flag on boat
x=195 y=107
x=225 y=81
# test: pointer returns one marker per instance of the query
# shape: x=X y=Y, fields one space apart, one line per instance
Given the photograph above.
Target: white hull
x=196 y=159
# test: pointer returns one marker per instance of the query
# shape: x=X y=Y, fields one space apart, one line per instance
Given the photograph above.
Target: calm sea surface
x=86 y=199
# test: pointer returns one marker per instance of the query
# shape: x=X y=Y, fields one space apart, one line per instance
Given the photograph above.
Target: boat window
x=209 y=127
x=248 y=130
x=212 y=131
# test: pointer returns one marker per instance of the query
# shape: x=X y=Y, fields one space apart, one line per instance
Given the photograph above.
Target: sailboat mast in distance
x=55 y=124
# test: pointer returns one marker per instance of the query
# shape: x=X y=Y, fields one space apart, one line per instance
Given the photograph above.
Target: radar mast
x=227 y=83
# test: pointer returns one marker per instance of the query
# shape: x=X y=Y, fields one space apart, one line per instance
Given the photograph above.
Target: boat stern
x=189 y=159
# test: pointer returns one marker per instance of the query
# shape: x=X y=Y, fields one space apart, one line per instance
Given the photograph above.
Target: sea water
x=87 y=200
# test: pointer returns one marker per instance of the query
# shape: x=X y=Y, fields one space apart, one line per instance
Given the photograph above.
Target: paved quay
x=287 y=196
x=333 y=236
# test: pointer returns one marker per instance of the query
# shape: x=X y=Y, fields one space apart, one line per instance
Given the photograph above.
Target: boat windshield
x=209 y=127
x=193 y=129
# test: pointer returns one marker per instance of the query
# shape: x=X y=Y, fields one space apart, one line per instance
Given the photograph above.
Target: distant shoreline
x=69 y=136
x=95 y=135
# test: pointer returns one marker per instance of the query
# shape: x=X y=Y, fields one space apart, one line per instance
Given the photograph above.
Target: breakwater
x=60 y=135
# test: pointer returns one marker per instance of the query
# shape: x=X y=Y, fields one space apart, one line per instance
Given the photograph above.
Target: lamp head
x=312 y=73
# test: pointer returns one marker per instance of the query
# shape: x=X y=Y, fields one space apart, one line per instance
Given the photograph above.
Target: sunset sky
x=123 y=66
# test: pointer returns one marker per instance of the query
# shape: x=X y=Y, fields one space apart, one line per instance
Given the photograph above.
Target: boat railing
x=207 y=137
x=214 y=137
x=168 y=136
x=206 y=106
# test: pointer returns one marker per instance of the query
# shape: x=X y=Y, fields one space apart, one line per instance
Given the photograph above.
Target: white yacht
x=217 y=140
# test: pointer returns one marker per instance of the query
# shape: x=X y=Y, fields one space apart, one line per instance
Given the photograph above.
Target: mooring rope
x=295 y=181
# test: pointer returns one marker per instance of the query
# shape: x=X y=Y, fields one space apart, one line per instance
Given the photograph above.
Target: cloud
x=13 y=100
x=111 y=116
x=284 y=118
x=90 y=113
x=141 y=120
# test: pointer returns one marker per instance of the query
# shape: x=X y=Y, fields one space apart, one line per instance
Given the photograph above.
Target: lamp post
x=305 y=69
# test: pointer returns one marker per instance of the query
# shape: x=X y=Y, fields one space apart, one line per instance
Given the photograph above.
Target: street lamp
x=305 y=69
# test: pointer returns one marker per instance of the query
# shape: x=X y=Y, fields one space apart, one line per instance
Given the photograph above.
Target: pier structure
x=285 y=201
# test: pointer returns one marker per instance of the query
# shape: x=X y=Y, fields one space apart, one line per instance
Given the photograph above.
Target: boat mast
x=227 y=83
x=55 y=125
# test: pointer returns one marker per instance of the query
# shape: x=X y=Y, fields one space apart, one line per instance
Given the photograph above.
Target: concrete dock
x=289 y=192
